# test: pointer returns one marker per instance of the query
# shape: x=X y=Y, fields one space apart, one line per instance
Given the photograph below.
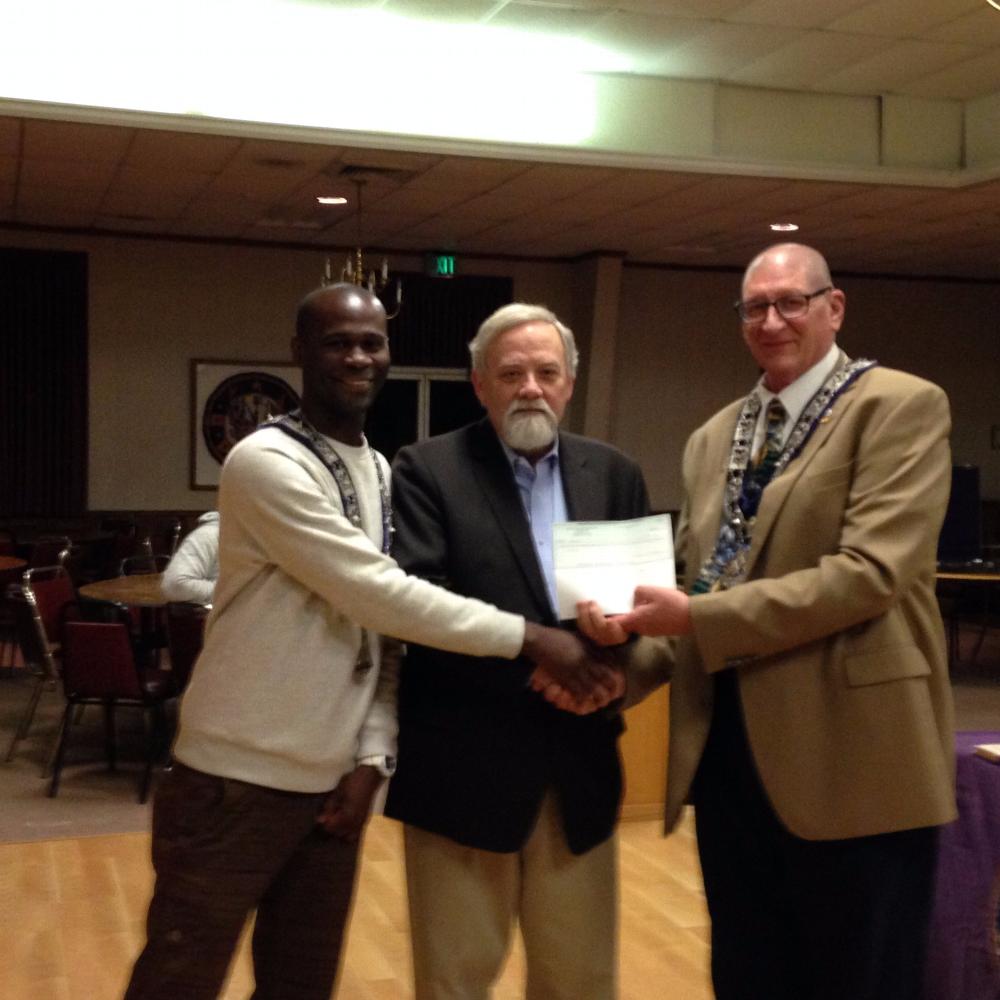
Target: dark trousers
x=794 y=919
x=222 y=848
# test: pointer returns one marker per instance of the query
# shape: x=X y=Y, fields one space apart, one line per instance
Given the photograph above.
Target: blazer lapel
x=780 y=488
x=496 y=481
x=584 y=495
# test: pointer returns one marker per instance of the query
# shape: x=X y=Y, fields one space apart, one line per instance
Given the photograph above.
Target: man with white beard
x=509 y=804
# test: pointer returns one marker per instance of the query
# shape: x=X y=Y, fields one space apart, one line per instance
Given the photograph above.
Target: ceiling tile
x=143 y=205
x=453 y=10
x=973 y=77
x=45 y=198
x=633 y=187
x=893 y=68
x=182 y=184
x=44 y=214
x=543 y=18
x=8 y=169
x=723 y=48
x=386 y=159
x=473 y=175
x=215 y=229
x=539 y=182
x=94 y=144
x=901 y=18
x=709 y=9
x=980 y=27
x=234 y=208
x=793 y=13
x=10 y=136
x=181 y=151
x=67 y=173
x=646 y=39
x=808 y=60
x=446 y=231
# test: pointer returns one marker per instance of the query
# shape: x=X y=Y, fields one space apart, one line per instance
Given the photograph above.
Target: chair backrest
x=98 y=661
x=173 y=535
x=30 y=633
x=141 y=564
x=51 y=591
x=49 y=550
x=185 y=634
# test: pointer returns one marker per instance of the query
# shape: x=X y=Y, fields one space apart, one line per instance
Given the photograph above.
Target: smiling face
x=524 y=386
x=787 y=348
x=342 y=346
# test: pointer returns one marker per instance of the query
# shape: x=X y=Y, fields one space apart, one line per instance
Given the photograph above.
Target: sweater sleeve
x=299 y=530
x=191 y=573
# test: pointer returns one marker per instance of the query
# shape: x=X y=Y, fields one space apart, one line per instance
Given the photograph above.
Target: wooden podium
x=644 y=756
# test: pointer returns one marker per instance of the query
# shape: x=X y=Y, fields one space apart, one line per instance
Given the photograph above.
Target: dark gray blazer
x=478 y=748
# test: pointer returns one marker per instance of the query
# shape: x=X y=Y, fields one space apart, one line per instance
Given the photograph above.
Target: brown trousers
x=222 y=848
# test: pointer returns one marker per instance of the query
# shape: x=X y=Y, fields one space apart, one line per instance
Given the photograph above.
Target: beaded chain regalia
x=296 y=426
x=726 y=567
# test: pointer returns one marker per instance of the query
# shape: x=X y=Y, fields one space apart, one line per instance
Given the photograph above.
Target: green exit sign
x=440 y=265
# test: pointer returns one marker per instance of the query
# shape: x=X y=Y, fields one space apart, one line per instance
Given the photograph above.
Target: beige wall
x=154 y=305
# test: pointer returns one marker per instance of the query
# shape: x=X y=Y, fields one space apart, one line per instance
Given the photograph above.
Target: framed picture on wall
x=229 y=399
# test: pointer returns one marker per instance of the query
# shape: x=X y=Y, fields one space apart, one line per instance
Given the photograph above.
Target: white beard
x=529 y=427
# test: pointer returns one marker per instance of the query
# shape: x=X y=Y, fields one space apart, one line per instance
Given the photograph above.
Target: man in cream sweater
x=288 y=725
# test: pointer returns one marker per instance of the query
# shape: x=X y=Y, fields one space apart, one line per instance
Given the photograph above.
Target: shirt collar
x=794 y=397
x=513 y=456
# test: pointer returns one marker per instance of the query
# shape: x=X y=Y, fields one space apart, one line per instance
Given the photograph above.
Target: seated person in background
x=191 y=573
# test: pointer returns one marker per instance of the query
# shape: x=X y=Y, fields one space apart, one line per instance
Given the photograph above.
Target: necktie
x=762 y=467
x=765 y=459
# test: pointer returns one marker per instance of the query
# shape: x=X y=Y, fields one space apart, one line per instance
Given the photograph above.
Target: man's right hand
x=569 y=662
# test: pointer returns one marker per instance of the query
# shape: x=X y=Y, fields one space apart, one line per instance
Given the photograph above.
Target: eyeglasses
x=788 y=306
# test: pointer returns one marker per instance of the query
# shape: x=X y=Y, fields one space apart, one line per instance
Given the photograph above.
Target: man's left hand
x=347 y=807
x=557 y=695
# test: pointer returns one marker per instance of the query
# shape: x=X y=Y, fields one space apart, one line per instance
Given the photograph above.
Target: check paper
x=605 y=561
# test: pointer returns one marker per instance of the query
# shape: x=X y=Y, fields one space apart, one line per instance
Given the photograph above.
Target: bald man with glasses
x=811 y=718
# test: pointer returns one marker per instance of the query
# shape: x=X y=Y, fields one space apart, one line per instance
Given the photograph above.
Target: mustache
x=530 y=406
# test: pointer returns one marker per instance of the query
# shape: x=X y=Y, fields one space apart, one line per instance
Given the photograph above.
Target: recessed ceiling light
x=784 y=227
x=331 y=200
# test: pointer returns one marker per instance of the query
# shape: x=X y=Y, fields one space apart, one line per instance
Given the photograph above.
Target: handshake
x=574 y=673
x=582 y=674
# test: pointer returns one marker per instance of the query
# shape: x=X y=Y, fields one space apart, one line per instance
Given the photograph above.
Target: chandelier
x=354 y=272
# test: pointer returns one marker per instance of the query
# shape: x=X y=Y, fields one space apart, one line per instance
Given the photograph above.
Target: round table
x=12 y=562
x=139 y=591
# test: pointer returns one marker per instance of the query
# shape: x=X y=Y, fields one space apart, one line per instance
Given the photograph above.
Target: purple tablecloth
x=964 y=963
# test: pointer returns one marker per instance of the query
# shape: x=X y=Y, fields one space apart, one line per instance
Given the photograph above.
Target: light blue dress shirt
x=544 y=501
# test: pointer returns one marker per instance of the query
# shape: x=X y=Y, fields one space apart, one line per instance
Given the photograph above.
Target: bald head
x=791 y=311
x=342 y=347
x=340 y=300
x=797 y=257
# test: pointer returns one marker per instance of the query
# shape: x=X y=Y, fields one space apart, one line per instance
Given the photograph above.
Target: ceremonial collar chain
x=296 y=426
x=727 y=564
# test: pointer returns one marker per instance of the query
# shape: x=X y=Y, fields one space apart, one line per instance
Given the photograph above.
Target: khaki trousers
x=465 y=902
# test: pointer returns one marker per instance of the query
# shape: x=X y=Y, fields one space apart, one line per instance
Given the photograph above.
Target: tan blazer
x=836 y=634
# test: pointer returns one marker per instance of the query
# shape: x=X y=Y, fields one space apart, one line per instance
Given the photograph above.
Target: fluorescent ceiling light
x=299 y=63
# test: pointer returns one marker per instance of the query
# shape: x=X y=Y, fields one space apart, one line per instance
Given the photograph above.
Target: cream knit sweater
x=274 y=698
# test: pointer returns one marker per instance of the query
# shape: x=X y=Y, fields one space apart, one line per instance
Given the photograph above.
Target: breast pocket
x=837 y=478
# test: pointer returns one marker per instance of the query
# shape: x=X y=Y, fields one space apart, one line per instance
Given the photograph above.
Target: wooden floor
x=71 y=914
